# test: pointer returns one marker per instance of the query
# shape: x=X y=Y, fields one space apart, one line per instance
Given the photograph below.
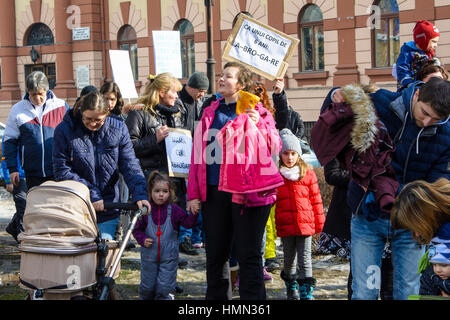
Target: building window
x=310 y=33
x=386 y=39
x=49 y=69
x=187 y=46
x=128 y=41
x=39 y=34
x=237 y=16
x=308 y=125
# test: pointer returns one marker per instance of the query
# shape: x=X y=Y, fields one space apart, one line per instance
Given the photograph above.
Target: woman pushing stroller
x=92 y=148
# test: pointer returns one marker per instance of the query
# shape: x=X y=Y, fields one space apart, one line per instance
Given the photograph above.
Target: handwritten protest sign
x=265 y=50
x=178 y=148
x=122 y=73
x=167 y=51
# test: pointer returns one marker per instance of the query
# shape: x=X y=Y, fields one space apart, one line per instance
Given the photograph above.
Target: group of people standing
x=373 y=143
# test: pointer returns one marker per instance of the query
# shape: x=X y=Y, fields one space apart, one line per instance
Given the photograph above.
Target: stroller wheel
x=114 y=294
x=82 y=297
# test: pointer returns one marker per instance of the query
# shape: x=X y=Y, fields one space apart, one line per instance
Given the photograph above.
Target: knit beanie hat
x=198 y=80
x=85 y=91
x=290 y=141
x=423 y=32
x=439 y=251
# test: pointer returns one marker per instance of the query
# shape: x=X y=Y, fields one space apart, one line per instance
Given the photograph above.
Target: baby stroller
x=62 y=254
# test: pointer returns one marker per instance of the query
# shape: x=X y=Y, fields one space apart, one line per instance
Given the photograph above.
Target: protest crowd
x=250 y=179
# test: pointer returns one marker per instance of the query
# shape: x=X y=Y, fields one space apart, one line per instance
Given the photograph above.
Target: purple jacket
x=197 y=182
x=353 y=134
x=179 y=217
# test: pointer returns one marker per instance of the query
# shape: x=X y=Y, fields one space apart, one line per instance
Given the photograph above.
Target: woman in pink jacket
x=235 y=214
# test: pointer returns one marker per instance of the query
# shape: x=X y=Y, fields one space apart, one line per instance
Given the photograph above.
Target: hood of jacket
x=412 y=45
x=364 y=128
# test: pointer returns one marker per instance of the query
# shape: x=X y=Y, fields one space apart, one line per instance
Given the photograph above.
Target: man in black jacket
x=285 y=115
x=190 y=101
x=191 y=98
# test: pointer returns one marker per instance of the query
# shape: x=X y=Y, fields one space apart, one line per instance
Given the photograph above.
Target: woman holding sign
x=149 y=127
x=229 y=216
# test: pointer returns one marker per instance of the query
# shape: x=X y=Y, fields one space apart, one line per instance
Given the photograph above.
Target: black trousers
x=225 y=222
x=20 y=200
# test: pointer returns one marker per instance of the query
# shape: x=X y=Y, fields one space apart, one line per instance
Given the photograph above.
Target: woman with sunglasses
x=92 y=148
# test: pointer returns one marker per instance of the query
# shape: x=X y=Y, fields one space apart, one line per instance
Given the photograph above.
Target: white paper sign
x=167 y=49
x=82 y=76
x=83 y=33
x=122 y=73
x=260 y=47
x=178 y=148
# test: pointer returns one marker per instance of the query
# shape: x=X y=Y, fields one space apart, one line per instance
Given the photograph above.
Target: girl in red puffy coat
x=298 y=216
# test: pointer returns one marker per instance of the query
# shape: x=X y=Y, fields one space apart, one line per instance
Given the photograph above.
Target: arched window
x=39 y=34
x=310 y=33
x=386 y=39
x=237 y=16
x=187 y=46
x=128 y=41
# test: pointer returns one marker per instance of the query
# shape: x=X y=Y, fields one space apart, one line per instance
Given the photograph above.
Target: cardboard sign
x=167 y=49
x=122 y=73
x=178 y=149
x=263 y=49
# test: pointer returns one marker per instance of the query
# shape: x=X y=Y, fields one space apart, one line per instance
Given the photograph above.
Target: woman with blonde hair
x=423 y=208
x=149 y=127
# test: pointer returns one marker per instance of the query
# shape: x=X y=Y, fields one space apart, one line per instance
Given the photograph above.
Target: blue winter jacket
x=408 y=64
x=5 y=171
x=420 y=153
x=32 y=138
x=95 y=158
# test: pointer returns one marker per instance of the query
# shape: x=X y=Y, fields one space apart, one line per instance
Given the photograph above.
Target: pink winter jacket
x=251 y=183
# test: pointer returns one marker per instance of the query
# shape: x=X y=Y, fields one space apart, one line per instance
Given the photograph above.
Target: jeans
x=196 y=233
x=108 y=228
x=368 y=239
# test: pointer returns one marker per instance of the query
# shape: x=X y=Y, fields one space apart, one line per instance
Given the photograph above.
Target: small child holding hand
x=157 y=233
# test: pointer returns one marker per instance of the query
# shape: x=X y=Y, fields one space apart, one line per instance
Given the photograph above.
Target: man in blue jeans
x=418 y=121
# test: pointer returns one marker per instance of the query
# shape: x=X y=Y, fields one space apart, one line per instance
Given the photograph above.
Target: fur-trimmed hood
x=364 y=128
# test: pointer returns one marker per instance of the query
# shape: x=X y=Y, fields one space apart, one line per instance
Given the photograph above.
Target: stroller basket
x=59 y=251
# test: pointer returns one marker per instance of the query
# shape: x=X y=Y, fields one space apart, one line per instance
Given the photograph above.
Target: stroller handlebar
x=125 y=206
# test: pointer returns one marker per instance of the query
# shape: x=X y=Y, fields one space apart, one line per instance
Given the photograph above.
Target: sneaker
x=272 y=264
x=182 y=263
x=186 y=247
x=267 y=276
x=198 y=245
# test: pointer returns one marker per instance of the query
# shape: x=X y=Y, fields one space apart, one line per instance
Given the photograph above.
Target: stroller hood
x=59 y=215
